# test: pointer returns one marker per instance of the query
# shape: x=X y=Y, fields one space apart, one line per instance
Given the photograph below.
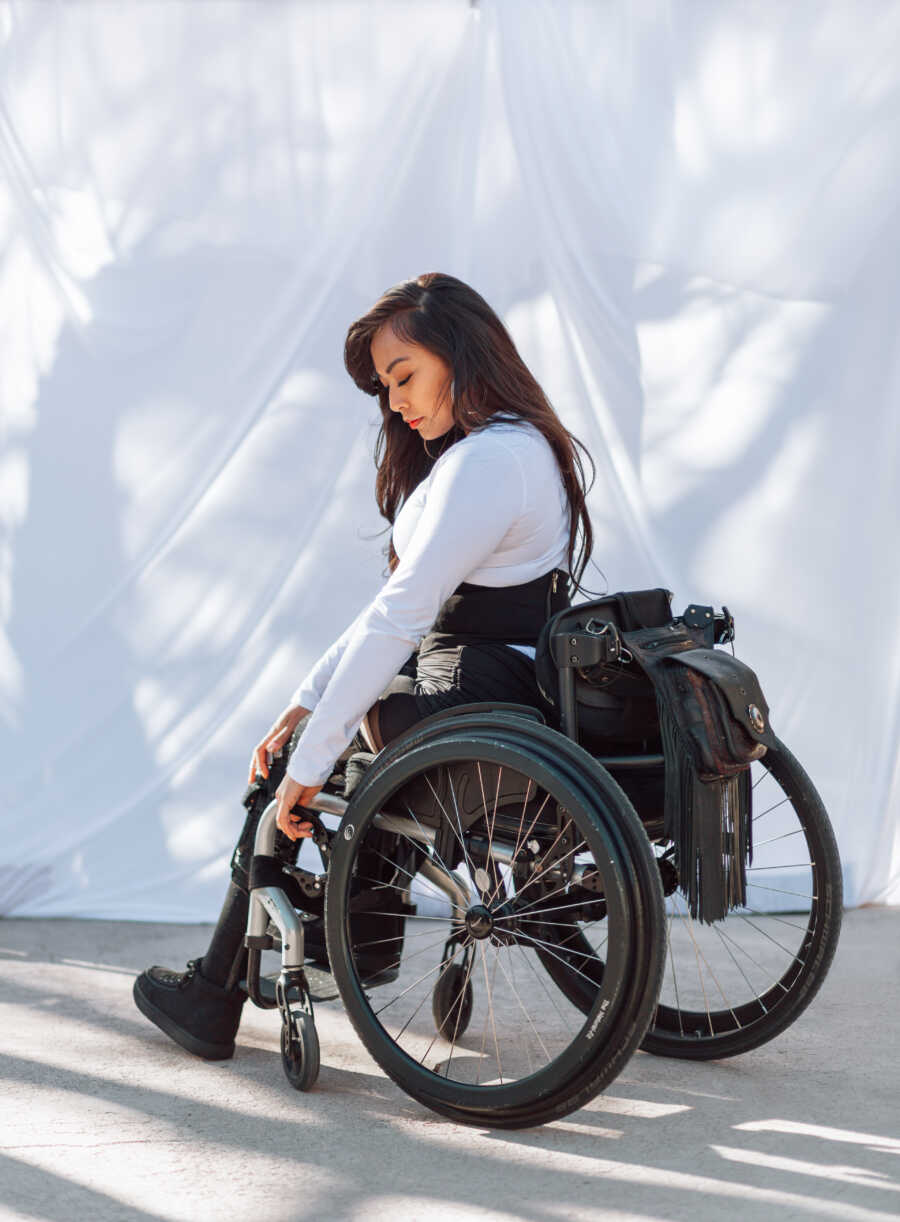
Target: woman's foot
x=200 y=1016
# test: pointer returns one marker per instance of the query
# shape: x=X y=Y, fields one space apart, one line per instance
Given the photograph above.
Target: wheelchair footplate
x=322 y=986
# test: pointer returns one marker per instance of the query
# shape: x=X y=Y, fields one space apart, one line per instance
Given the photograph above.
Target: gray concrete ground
x=104 y=1118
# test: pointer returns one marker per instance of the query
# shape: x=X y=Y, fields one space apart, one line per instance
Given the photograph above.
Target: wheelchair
x=503 y=913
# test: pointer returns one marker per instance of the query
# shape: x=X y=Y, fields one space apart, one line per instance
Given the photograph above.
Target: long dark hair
x=490 y=381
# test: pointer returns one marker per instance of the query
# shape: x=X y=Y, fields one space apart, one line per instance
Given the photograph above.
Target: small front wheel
x=300 y=1049
x=452 y=1002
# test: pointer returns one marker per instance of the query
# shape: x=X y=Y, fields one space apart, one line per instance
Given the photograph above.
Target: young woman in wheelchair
x=484 y=489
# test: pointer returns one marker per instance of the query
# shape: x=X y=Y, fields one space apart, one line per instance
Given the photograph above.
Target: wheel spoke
x=419 y=1007
x=528 y=1017
x=393 y=1000
x=424 y=933
x=549 y=949
x=469 y=864
x=781 y=891
x=522 y=839
x=540 y=979
x=412 y=877
x=465 y=985
x=490 y=1001
x=553 y=864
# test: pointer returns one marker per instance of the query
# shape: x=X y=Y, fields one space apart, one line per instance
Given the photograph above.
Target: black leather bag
x=723 y=711
x=714 y=721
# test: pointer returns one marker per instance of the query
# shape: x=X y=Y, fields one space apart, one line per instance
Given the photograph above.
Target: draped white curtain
x=687 y=214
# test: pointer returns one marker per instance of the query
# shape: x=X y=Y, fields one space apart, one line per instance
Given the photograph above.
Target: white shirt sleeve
x=476 y=494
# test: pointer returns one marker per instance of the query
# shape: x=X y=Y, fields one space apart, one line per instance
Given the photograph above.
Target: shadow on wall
x=157 y=541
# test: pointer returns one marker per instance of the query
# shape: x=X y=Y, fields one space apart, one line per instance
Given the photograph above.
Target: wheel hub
x=479 y=921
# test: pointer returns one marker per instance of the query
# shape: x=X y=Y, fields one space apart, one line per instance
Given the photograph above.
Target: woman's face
x=418 y=382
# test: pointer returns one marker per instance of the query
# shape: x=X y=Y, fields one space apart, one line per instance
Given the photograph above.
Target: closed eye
x=405 y=380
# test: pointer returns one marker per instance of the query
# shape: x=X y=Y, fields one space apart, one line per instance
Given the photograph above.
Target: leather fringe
x=710 y=825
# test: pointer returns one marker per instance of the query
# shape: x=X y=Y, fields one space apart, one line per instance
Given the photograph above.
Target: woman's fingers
x=279 y=738
x=291 y=793
x=293 y=829
x=274 y=741
x=259 y=764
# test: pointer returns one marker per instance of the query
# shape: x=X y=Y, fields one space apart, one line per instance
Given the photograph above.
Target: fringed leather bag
x=714 y=722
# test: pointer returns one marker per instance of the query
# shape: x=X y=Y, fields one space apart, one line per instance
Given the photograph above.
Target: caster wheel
x=451 y=1002
x=300 y=1050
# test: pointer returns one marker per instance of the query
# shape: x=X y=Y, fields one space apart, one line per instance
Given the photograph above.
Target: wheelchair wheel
x=735 y=984
x=452 y=1001
x=300 y=1050
x=524 y=832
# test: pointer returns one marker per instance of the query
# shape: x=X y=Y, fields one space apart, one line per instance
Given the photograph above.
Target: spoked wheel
x=732 y=985
x=452 y=1000
x=502 y=839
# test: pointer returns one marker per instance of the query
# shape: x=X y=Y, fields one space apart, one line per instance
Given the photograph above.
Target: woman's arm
x=477 y=492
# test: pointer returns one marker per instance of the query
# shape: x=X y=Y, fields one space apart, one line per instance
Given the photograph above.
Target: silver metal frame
x=271 y=903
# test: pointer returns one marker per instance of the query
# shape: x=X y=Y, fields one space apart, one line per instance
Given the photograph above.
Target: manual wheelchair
x=504 y=918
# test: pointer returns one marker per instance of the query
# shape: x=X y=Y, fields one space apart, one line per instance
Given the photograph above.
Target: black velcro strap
x=266 y=872
x=579 y=649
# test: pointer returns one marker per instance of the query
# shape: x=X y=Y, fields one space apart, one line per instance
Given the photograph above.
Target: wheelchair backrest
x=616 y=703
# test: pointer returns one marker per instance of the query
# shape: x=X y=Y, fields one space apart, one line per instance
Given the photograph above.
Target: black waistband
x=514 y=615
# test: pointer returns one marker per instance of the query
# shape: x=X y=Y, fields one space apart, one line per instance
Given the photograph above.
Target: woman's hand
x=276 y=738
x=289 y=794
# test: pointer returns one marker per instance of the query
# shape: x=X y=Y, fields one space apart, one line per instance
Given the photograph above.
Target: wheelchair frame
x=663 y=1029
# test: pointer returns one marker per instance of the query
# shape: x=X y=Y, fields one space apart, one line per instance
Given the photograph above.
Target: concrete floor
x=104 y=1118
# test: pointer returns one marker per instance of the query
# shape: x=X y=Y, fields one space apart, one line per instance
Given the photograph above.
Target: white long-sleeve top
x=492 y=511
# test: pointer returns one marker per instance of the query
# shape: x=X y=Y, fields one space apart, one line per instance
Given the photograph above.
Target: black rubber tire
x=452 y=1001
x=605 y=822
x=701 y=1035
x=300 y=1050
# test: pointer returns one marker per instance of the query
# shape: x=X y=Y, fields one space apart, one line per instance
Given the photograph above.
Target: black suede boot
x=197 y=1008
x=200 y=1016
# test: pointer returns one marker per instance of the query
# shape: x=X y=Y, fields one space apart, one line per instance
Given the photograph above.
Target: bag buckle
x=587 y=646
x=618 y=652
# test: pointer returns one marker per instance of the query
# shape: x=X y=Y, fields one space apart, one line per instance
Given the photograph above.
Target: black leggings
x=440 y=676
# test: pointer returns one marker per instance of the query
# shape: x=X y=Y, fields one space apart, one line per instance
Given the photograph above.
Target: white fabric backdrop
x=688 y=215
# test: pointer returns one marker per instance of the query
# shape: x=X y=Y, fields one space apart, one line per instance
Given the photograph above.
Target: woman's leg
x=453 y=675
x=200 y=1008
x=443 y=677
x=196 y=1008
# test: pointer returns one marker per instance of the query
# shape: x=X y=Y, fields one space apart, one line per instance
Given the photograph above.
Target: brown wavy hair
x=490 y=382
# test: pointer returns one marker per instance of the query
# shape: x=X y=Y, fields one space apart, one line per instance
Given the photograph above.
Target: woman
x=485 y=491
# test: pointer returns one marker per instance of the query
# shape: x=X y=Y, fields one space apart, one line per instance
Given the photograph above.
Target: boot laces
x=193 y=967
